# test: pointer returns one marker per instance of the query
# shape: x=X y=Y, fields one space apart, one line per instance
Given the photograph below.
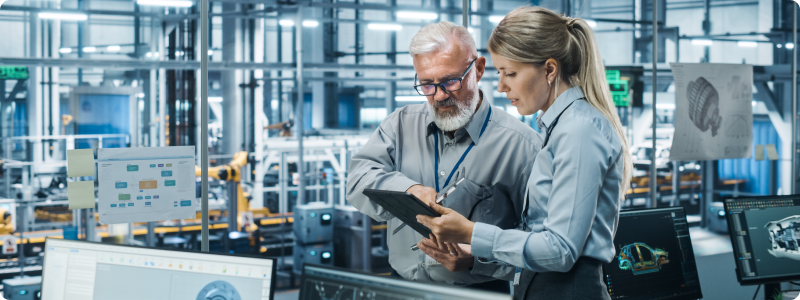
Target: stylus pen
x=451 y=190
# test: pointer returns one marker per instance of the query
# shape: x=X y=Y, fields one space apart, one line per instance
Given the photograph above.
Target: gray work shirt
x=574 y=194
x=400 y=154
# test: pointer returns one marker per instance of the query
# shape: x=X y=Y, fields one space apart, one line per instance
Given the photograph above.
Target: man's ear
x=480 y=68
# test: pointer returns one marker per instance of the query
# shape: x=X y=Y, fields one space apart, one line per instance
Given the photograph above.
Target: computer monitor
x=765 y=232
x=654 y=257
x=95 y=271
x=322 y=283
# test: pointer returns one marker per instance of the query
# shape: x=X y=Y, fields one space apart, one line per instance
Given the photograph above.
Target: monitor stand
x=771 y=289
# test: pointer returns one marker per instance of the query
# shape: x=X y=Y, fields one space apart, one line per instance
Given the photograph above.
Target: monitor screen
x=88 y=270
x=320 y=283
x=765 y=232
x=654 y=257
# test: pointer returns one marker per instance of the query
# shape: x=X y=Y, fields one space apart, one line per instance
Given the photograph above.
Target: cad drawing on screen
x=784 y=235
x=704 y=105
x=641 y=258
x=219 y=290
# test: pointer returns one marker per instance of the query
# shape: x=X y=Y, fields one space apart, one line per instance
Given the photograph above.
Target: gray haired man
x=425 y=148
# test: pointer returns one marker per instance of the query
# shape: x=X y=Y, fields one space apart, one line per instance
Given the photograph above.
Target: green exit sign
x=11 y=72
x=618 y=88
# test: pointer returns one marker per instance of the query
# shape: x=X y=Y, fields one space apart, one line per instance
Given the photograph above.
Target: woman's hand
x=451 y=227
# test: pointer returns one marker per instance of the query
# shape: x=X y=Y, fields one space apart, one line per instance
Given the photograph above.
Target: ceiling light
x=63 y=16
x=496 y=19
x=385 y=26
x=779 y=46
x=591 y=23
x=89 y=49
x=789 y=46
x=65 y=50
x=210 y=52
x=171 y=3
x=470 y=30
x=215 y=99
x=410 y=98
x=417 y=15
x=702 y=42
x=114 y=48
x=287 y=23
x=310 y=23
x=747 y=44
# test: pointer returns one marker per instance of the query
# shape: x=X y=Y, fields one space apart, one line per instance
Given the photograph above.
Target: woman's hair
x=536 y=34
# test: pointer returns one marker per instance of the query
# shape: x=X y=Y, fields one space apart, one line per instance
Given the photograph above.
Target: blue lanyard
x=436 y=153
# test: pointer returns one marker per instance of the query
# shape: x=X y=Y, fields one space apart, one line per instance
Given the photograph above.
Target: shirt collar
x=563 y=101
x=473 y=127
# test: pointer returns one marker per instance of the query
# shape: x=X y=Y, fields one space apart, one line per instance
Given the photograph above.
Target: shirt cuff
x=483 y=240
x=398 y=184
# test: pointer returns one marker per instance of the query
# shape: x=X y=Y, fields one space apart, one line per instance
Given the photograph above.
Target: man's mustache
x=444 y=103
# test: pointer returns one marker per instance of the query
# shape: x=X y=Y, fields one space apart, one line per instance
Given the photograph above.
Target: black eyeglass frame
x=441 y=85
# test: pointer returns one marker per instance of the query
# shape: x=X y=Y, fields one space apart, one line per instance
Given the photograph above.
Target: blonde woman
x=551 y=63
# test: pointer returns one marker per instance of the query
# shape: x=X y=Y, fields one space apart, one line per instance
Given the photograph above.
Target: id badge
x=517 y=275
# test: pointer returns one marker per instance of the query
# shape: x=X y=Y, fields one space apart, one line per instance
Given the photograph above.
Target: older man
x=424 y=149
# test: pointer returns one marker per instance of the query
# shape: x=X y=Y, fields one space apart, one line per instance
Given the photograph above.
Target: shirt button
x=441 y=173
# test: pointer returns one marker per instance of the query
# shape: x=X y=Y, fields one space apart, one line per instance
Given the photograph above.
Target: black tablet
x=404 y=206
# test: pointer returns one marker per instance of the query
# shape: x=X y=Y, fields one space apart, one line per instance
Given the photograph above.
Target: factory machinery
x=253 y=208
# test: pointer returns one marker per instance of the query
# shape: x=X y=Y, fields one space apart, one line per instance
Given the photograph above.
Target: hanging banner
x=713 y=111
x=146 y=184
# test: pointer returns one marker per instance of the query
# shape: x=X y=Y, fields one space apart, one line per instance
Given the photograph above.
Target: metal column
x=465 y=13
x=299 y=60
x=794 y=99
x=203 y=125
x=653 y=186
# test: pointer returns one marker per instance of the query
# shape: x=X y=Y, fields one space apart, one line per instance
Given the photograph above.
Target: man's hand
x=455 y=257
x=424 y=193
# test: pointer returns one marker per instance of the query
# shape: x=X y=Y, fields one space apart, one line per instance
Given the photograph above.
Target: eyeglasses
x=449 y=86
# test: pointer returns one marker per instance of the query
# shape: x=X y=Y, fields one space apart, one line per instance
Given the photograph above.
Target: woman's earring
x=548 y=83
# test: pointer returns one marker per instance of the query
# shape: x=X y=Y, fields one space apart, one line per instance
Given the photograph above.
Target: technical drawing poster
x=146 y=184
x=713 y=111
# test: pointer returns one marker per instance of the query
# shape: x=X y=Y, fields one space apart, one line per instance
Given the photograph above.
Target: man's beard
x=454 y=119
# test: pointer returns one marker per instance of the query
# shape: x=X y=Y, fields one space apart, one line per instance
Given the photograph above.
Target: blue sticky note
x=113 y=205
x=121 y=185
x=147 y=197
x=166 y=173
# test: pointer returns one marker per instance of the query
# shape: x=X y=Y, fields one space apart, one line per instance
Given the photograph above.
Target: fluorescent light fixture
x=155 y=54
x=702 y=42
x=287 y=23
x=496 y=19
x=385 y=26
x=210 y=52
x=310 y=23
x=214 y=99
x=470 y=30
x=171 y=3
x=591 y=23
x=789 y=45
x=417 y=15
x=63 y=16
x=140 y=95
x=113 y=48
x=65 y=50
x=149 y=54
x=410 y=98
x=667 y=106
x=89 y=49
x=779 y=46
x=747 y=44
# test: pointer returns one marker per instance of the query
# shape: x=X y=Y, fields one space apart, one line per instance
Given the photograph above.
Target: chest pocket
x=483 y=204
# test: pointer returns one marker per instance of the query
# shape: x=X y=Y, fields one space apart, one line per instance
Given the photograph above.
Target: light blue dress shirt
x=573 y=194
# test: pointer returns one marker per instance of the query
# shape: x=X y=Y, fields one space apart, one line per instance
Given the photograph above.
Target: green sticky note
x=772 y=153
x=759 y=152
x=80 y=162
x=124 y=196
x=80 y=194
x=132 y=168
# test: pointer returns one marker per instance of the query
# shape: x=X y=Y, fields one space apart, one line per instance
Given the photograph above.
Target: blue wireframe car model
x=641 y=258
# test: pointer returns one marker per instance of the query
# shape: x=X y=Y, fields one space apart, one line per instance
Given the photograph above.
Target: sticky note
x=80 y=162
x=772 y=153
x=80 y=194
x=148 y=184
x=759 y=152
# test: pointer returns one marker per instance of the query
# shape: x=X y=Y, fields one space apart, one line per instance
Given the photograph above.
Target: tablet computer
x=404 y=206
